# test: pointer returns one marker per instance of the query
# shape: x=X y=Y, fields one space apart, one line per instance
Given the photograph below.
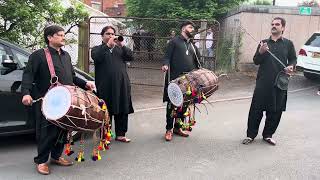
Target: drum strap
x=195 y=52
x=54 y=77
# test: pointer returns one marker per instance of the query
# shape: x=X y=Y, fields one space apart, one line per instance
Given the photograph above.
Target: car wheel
x=310 y=76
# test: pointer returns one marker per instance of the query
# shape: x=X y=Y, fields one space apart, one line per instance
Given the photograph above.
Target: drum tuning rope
x=34 y=101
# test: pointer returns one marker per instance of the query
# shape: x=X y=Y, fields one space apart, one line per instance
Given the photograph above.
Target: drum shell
x=75 y=120
x=200 y=79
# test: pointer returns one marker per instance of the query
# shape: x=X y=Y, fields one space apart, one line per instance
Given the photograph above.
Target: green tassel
x=113 y=135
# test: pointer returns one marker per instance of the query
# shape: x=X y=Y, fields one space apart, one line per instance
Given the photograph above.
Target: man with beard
x=181 y=57
x=112 y=80
x=50 y=138
x=267 y=97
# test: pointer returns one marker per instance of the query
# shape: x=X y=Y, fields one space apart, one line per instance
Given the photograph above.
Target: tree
x=262 y=2
x=189 y=9
x=22 y=21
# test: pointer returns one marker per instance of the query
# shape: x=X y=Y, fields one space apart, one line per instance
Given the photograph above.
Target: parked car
x=309 y=57
x=15 y=118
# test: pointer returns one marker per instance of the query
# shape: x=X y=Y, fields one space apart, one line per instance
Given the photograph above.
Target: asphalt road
x=213 y=151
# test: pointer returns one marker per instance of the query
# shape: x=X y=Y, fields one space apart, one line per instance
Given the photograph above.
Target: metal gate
x=148 y=38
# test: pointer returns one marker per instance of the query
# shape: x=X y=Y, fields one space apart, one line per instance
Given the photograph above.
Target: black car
x=15 y=118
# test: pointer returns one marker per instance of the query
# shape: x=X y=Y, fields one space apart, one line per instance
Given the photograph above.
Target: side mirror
x=8 y=62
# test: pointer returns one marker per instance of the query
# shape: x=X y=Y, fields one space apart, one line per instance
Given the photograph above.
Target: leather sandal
x=43 y=168
x=180 y=132
x=270 y=141
x=247 y=141
x=168 y=135
x=62 y=162
x=123 y=139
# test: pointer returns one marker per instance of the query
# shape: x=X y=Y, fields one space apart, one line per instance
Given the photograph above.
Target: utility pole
x=102 y=6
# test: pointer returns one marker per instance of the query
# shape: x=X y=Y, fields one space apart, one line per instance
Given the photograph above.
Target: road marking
x=223 y=100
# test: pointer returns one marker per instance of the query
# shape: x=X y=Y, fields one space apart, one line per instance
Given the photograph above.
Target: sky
x=287 y=2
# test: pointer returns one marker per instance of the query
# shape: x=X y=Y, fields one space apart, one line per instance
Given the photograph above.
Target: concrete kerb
x=225 y=100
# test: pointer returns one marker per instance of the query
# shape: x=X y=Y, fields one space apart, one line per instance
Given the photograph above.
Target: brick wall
x=111 y=7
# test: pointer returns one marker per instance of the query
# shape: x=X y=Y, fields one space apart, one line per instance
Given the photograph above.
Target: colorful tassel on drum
x=94 y=156
x=100 y=103
x=68 y=150
x=99 y=157
x=203 y=96
x=104 y=107
x=80 y=157
x=108 y=136
x=112 y=135
x=106 y=145
x=101 y=146
x=186 y=114
x=195 y=100
x=194 y=93
x=192 y=122
x=188 y=91
x=199 y=99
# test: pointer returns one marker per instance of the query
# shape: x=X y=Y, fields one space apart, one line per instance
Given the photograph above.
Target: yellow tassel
x=99 y=157
x=104 y=107
x=79 y=157
x=203 y=96
x=188 y=91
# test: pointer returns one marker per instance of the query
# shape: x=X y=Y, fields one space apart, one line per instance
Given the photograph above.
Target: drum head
x=56 y=103
x=175 y=94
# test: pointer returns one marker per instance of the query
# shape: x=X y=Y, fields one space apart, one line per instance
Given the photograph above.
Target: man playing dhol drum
x=181 y=57
x=36 y=82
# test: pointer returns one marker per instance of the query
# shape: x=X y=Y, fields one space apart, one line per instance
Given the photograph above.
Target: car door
x=312 y=58
x=14 y=115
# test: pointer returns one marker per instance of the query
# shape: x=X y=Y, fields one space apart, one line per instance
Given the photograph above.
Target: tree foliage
x=189 y=9
x=262 y=2
x=22 y=21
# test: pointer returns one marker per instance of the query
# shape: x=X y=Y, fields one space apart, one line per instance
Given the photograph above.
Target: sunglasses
x=109 y=33
x=275 y=24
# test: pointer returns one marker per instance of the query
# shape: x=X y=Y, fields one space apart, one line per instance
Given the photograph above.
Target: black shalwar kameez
x=181 y=57
x=267 y=97
x=113 y=83
x=51 y=139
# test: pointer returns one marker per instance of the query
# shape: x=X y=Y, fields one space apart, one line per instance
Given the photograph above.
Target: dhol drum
x=72 y=108
x=192 y=87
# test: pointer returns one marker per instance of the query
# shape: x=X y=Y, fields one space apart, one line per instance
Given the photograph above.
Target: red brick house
x=109 y=7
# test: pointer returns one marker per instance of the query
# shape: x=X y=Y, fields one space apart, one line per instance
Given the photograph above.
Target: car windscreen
x=314 y=40
x=21 y=57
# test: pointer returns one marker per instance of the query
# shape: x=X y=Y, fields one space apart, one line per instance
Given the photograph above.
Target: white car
x=309 y=57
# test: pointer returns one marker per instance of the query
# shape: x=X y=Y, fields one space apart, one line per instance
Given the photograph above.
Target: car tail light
x=302 y=52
